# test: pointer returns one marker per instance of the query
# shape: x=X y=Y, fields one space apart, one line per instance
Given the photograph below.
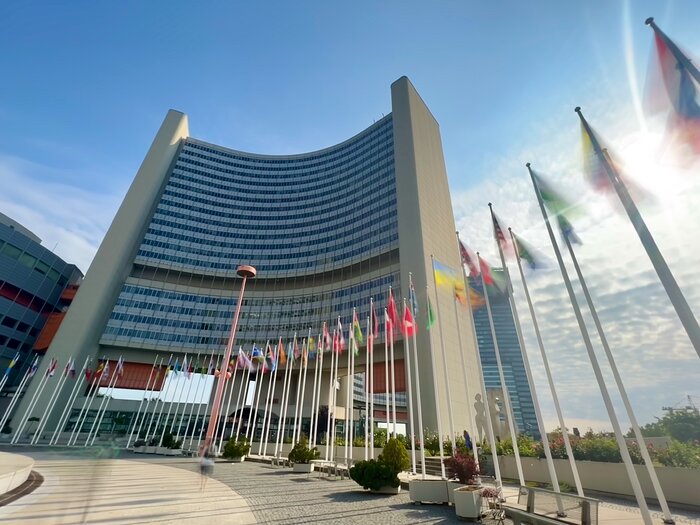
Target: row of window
x=266 y=211
x=295 y=222
x=18 y=325
x=226 y=263
x=31 y=262
x=377 y=131
x=255 y=251
x=236 y=179
x=14 y=344
x=350 y=227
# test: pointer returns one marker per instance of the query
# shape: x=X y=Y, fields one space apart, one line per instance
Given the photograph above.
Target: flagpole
x=15 y=398
x=158 y=362
x=314 y=405
x=299 y=404
x=170 y=404
x=190 y=428
x=348 y=389
x=624 y=452
x=65 y=413
x=138 y=411
x=373 y=320
x=528 y=370
x=258 y=389
x=284 y=401
x=187 y=396
x=435 y=387
x=409 y=400
x=210 y=372
x=103 y=403
x=393 y=375
x=335 y=401
x=464 y=369
x=108 y=398
x=52 y=401
x=32 y=404
x=160 y=398
x=419 y=398
x=668 y=518
x=351 y=388
x=243 y=389
x=482 y=382
x=685 y=314
x=228 y=402
x=282 y=421
x=444 y=362
x=330 y=397
x=185 y=372
x=502 y=378
x=386 y=374
x=367 y=417
x=206 y=406
x=225 y=395
x=548 y=372
x=87 y=403
x=677 y=53
x=188 y=375
x=268 y=411
x=168 y=373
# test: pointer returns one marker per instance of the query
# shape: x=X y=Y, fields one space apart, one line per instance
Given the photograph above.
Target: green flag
x=431 y=315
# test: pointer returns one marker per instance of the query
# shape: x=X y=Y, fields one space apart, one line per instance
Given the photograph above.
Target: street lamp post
x=246 y=272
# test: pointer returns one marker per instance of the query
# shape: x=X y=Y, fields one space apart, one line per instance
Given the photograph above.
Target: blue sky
x=86 y=85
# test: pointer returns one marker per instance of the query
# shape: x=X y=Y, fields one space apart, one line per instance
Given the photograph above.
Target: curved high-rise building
x=326 y=231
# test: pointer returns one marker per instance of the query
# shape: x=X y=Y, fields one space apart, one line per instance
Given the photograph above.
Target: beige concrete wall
x=680 y=485
x=426 y=226
x=81 y=329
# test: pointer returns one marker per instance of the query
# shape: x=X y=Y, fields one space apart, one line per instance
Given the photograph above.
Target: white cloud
x=69 y=218
x=656 y=360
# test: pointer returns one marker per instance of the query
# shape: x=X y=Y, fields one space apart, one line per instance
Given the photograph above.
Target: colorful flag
x=257 y=355
x=477 y=300
x=431 y=315
x=51 y=370
x=444 y=275
x=501 y=238
x=210 y=368
x=13 y=361
x=341 y=337
x=67 y=367
x=100 y=367
x=185 y=367
x=280 y=352
x=412 y=298
x=486 y=272
x=297 y=353
x=393 y=313
x=120 y=367
x=374 y=322
x=460 y=293
x=326 y=342
x=526 y=253
x=88 y=374
x=468 y=258
x=553 y=199
x=71 y=370
x=311 y=346
x=409 y=324
x=681 y=95
x=356 y=328
x=567 y=230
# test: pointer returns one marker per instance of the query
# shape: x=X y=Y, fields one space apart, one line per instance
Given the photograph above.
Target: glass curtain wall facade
x=32 y=279
x=511 y=357
x=311 y=224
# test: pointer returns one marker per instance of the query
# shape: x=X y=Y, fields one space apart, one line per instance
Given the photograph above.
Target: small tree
x=236 y=448
x=301 y=452
x=463 y=467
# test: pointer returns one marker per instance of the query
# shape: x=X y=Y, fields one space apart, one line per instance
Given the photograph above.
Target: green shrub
x=395 y=456
x=301 y=452
x=359 y=441
x=236 y=449
x=169 y=441
x=373 y=475
x=680 y=455
x=379 y=437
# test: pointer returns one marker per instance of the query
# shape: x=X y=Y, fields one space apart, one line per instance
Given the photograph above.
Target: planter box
x=139 y=450
x=238 y=460
x=451 y=487
x=149 y=450
x=388 y=490
x=303 y=468
x=428 y=490
x=468 y=502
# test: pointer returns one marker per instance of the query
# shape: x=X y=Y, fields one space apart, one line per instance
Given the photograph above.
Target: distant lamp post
x=246 y=272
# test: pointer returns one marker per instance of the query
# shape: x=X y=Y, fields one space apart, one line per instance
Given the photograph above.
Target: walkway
x=116 y=491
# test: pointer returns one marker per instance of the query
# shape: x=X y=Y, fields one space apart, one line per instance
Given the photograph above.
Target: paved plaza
x=111 y=486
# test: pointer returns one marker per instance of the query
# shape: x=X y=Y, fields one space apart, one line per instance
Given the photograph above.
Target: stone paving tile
x=276 y=495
